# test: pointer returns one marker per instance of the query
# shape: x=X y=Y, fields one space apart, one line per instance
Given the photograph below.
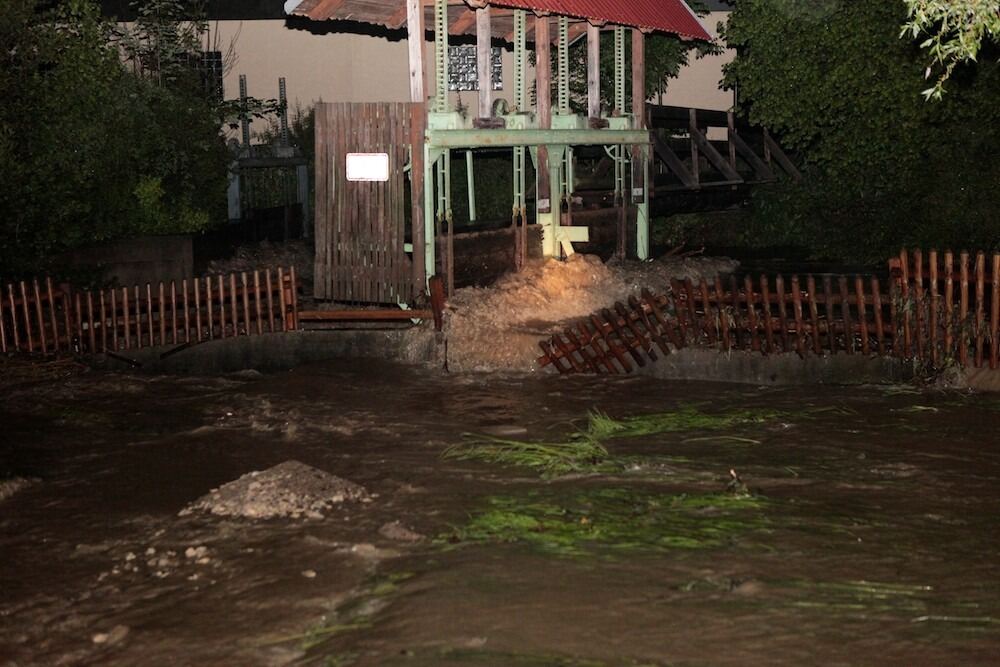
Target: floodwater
x=870 y=534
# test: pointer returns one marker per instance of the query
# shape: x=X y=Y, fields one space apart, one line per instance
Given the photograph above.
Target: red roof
x=673 y=16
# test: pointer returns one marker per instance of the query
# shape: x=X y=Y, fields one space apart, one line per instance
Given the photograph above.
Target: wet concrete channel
x=866 y=534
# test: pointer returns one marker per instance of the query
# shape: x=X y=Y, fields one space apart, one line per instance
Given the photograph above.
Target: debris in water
x=290 y=489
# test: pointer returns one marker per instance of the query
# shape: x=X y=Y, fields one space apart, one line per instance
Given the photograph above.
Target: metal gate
x=360 y=223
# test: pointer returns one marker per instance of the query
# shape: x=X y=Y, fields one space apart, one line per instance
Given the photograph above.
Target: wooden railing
x=933 y=317
x=38 y=317
x=952 y=306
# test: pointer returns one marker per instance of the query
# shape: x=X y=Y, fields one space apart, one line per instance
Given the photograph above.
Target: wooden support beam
x=638 y=112
x=779 y=155
x=760 y=168
x=713 y=155
x=543 y=109
x=484 y=61
x=673 y=162
x=463 y=22
x=418 y=99
x=593 y=71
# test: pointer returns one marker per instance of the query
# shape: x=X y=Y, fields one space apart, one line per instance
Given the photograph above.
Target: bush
x=91 y=150
x=882 y=166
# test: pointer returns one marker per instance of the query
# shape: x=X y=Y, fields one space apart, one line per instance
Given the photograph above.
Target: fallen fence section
x=36 y=317
x=832 y=315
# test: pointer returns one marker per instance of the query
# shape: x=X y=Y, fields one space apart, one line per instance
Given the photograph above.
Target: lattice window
x=462 y=68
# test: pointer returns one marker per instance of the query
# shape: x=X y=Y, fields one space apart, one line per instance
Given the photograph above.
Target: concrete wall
x=698 y=84
x=327 y=66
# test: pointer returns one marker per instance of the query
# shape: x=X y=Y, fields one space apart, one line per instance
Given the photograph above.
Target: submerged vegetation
x=584 y=451
x=614 y=519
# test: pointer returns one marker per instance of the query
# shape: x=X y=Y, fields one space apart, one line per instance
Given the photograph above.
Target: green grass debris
x=584 y=451
x=609 y=520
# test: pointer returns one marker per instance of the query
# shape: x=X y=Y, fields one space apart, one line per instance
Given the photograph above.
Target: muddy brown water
x=875 y=540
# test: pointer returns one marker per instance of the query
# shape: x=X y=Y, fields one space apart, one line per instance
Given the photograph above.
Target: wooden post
x=765 y=299
x=127 y=330
x=418 y=120
x=163 y=313
x=720 y=309
x=904 y=265
x=845 y=314
x=114 y=319
x=859 y=291
x=980 y=316
x=256 y=301
x=995 y=313
x=173 y=312
x=800 y=344
x=91 y=334
x=484 y=62
x=593 y=71
x=814 y=315
x=246 y=301
x=149 y=314
x=543 y=111
x=270 y=299
x=751 y=313
x=232 y=304
x=918 y=300
x=828 y=307
x=104 y=323
x=949 y=301
x=27 y=317
x=52 y=318
x=41 y=318
x=779 y=286
x=932 y=319
x=963 y=308
x=282 y=303
x=877 y=307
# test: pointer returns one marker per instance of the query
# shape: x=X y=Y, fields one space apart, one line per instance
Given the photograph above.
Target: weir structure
x=533 y=124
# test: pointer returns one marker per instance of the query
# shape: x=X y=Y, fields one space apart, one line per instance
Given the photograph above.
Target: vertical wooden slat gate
x=360 y=225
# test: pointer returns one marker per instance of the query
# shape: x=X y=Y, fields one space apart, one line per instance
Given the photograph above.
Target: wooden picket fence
x=951 y=309
x=39 y=318
x=912 y=319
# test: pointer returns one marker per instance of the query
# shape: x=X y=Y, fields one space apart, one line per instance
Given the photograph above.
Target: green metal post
x=642 y=209
x=471 y=185
x=441 y=55
x=562 y=73
x=520 y=60
x=430 y=162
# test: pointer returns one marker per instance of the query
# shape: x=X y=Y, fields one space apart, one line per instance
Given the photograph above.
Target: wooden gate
x=360 y=225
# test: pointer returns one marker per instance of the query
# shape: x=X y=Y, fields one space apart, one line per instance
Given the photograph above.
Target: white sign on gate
x=368 y=166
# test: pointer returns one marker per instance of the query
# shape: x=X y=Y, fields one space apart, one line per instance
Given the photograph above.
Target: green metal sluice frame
x=448 y=131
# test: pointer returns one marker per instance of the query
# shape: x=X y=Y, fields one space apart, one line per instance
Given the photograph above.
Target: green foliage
x=882 y=168
x=953 y=32
x=609 y=520
x=90 y=149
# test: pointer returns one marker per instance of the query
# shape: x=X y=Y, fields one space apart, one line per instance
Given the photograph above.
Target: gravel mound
x=290 y=489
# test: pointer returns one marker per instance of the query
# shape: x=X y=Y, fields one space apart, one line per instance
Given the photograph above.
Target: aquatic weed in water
x=608 y=520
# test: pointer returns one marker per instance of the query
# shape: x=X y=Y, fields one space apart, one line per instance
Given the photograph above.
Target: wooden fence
x=952 y=307
x=37 y=317
x=913 y=319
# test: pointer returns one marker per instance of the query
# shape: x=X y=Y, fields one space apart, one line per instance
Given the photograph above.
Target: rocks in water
x=290 y=489
x=396 y=531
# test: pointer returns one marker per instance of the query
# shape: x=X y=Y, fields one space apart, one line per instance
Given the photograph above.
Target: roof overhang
x=667 y=16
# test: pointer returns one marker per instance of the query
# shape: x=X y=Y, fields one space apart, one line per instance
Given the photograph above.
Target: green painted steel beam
x=562 y=71
x=441 y=55
x=490 y=138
